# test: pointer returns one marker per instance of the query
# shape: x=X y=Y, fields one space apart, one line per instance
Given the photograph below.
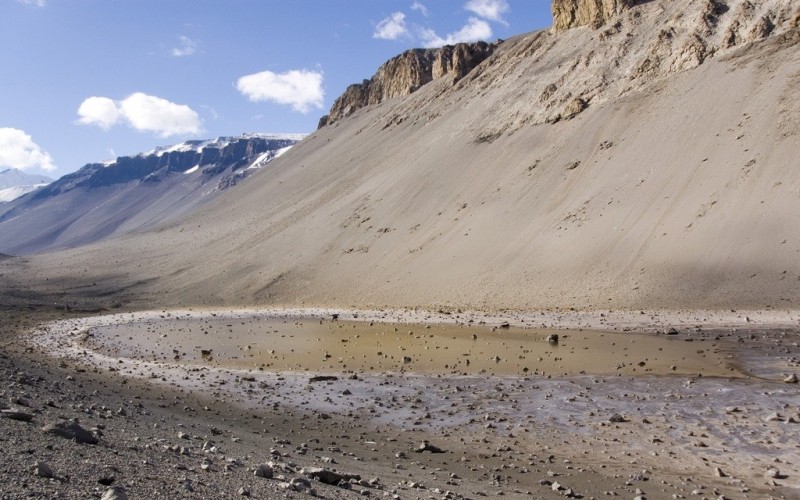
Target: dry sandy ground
x=684 y=435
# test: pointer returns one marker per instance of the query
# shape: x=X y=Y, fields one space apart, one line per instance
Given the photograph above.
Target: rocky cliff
x=407 y=72
x=595 y=13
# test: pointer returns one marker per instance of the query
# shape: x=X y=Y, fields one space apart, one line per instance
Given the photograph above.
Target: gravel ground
x=538 y=438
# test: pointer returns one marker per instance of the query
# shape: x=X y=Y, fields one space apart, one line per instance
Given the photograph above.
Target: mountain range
x=14 y=183
x=639 y=154
x=132 y=193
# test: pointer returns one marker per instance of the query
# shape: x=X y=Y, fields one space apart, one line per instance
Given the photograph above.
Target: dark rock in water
x=322 y=378
x=328 y=476
x=553 y=338
x=70 y=430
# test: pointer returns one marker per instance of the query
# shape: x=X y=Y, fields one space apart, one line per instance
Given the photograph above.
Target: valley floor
x=184 y=431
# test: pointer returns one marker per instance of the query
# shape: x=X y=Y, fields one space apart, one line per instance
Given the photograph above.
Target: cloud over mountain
x=392 y=27
x=142 y=112
x=301 y=89
x=17 y=150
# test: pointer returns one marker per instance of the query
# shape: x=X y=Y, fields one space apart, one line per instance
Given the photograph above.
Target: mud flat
x=330 y=346
x=609 y=403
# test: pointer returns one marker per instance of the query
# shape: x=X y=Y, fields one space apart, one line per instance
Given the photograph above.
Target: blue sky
x=87 y=80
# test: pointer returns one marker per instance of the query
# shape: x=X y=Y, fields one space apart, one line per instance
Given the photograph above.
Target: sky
x=85 y=81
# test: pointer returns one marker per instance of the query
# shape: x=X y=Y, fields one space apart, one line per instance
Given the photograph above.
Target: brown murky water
x=335 y=347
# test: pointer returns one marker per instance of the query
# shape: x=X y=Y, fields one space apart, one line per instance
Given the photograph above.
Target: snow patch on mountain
x=15 y=192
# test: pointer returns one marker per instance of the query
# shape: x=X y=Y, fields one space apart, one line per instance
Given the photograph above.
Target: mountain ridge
x=135 y=191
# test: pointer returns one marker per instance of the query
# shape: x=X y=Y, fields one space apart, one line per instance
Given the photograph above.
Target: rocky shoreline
x=181 y=435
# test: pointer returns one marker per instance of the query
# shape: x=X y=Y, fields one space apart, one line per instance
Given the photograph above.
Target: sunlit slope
x=684 y=192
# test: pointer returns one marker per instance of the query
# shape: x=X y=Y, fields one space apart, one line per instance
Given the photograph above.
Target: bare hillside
x=649 y=162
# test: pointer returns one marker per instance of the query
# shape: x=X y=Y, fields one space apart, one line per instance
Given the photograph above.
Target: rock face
x=406 y=73
x=595 y=13
x=132 y=192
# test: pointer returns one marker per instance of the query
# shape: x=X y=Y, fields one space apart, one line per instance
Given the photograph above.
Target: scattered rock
x=41 y=469
x=426 y=446
x=115 y=493
x=773 y=473
x=244 y=492
x=323 y=378
x=617 y=419
x=265 y=471
x=574 y=108
x=70 y=430
x=791 y=379
x=328 y=476
x=553 y=338
x=16 y=415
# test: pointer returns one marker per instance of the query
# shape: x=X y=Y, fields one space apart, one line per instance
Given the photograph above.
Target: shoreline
x=678 y=429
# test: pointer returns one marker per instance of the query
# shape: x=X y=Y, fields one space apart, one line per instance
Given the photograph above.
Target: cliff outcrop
x=407 y=72
x=595 y=13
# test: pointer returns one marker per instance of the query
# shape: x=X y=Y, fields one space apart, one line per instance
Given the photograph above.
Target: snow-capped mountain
x=14 y=183
x=133 y=192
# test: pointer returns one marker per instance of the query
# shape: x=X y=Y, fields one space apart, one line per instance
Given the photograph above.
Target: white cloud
x=100 y=111
x=475 y=30
x=148 y=113
x=391 y=28
x=421 y=8
x=186 y=47
x=300 y=89
x=17 y=150
x=38 y=3
x=145 y=113
x=492 y=10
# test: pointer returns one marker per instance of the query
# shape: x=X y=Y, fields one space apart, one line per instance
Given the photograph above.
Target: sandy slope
x=686 y=195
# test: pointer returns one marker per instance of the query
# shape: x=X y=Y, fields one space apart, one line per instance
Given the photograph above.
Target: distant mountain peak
x=14 y=177
x=134 y=192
